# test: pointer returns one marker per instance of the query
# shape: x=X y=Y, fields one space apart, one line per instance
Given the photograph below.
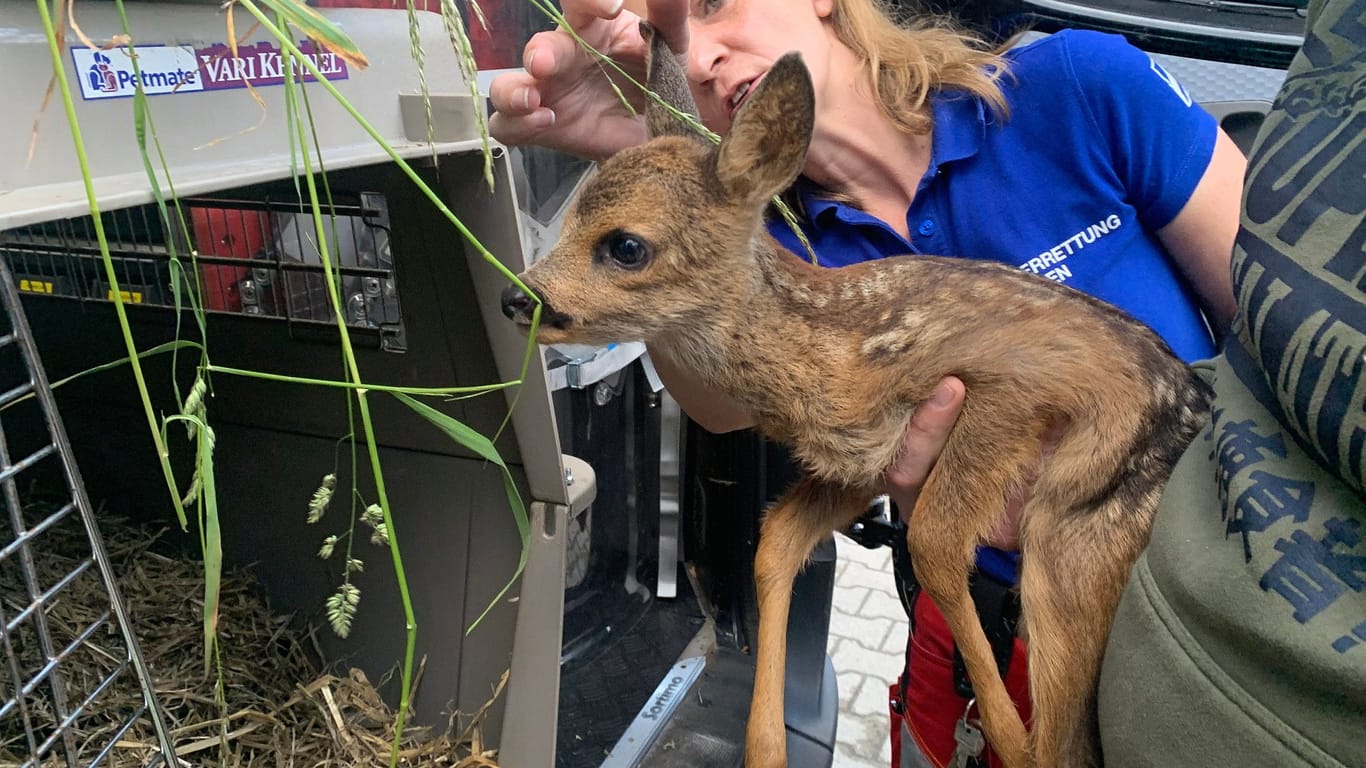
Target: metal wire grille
x=49 y=683
x=244 y=256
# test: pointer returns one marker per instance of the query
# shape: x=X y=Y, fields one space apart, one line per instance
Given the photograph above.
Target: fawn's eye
x=624 y=249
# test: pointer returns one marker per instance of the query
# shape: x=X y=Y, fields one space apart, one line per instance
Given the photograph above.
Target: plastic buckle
x=877 y=528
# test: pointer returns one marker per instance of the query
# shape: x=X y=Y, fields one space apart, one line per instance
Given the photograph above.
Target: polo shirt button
x=926 y=227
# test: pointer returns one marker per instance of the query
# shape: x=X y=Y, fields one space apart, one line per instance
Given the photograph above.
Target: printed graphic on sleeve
x=1172 y=82
x=1302 y=317
x=1309 y=562
x=1267 y=498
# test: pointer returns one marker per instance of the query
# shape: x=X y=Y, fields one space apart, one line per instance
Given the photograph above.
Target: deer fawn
x=668 y=244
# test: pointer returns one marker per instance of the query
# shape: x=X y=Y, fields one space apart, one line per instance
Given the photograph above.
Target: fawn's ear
x=766 y=146
x=665 y=76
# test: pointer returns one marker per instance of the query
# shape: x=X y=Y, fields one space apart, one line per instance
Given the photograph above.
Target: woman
x=1076 y=157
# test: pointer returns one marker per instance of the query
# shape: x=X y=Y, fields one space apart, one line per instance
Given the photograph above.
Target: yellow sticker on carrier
x=35 y=286
x=129 y=297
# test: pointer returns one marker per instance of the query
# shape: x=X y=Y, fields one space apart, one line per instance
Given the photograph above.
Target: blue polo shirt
x=1101 y=148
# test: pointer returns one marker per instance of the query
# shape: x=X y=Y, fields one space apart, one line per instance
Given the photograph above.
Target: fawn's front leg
x=790 y=531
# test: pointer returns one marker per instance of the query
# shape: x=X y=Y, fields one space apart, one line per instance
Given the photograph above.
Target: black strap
x=998 y=608
x=998 y=604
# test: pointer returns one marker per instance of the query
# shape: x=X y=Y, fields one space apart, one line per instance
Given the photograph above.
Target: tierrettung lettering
x=1050 y=262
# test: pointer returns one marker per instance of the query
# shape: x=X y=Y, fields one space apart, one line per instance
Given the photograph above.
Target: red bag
x=931 y=707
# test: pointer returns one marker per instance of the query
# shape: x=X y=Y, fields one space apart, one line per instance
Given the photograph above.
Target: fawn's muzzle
x=516 y=304
x=519 y=307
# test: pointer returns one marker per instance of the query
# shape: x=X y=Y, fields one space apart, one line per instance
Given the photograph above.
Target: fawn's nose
x=515 y=302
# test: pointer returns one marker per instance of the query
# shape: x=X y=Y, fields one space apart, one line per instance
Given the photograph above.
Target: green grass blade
x=436 y=391
x=469 y=68
x=83 y=161
x=143 y=127
x=420 y=62
x=157 y=350
x=210 y=533
x=213 y=543
x=393 y=155
x=320 y=231
x=481 y=445
x=408 y=171
x=318 y=29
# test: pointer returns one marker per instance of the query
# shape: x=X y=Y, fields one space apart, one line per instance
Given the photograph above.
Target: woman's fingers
x=525 y=104
x=670 y=18
x=924 y=441
x=563 y=100
x=548 y=55
x=925 y=438
x=515 y=93
x=522 y=130
x=518 y=117
x=580 y=13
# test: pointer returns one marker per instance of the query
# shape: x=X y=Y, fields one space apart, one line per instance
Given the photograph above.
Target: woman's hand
x=564 y=100
x=925 y=438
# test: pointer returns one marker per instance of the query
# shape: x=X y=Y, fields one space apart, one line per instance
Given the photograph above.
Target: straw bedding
x=278 y=708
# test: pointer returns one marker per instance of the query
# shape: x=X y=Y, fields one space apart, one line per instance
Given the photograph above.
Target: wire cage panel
x=258 y=257
x=62 y=659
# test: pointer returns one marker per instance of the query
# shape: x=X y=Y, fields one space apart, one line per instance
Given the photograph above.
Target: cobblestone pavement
x=867 y=643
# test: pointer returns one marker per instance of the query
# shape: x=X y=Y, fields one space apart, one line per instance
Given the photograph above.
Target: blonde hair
x=908 y=60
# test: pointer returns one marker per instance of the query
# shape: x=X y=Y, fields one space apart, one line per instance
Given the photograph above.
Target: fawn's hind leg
x=790 y=531
x=961 y=501
x=1074 y=566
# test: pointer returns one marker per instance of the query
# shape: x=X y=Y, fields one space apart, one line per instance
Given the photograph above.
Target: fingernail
x=943 y=395
x=530 y=57
x=552 y=117
x=526 y=98
x=615 y=8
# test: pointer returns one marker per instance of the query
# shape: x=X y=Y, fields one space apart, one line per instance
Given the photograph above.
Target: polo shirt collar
x=960 y=124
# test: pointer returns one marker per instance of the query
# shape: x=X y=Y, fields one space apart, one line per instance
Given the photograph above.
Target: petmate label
x=170 y=69
x=109 y=74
